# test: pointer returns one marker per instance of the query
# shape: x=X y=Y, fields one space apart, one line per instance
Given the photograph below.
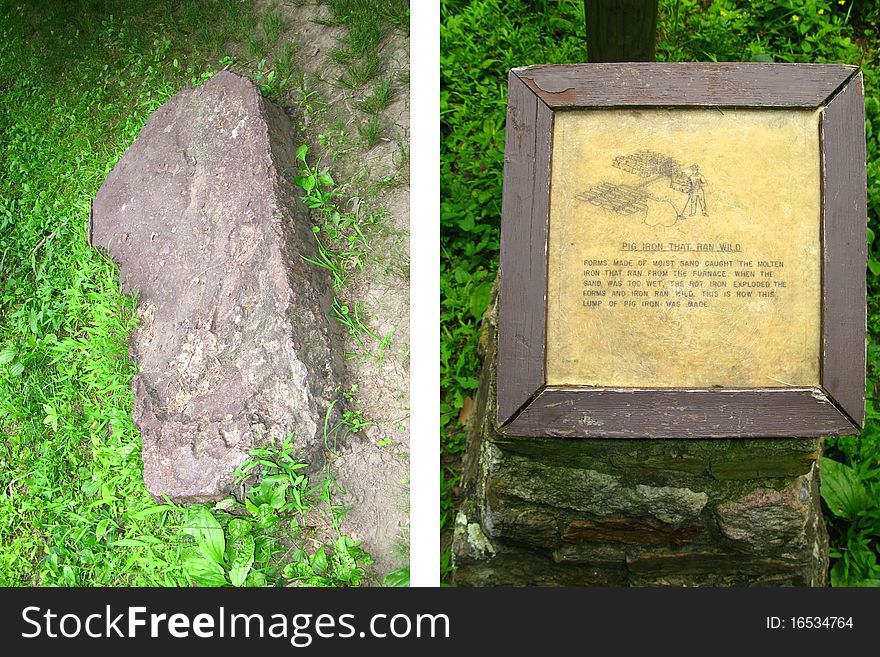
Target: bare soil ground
x=371 y=467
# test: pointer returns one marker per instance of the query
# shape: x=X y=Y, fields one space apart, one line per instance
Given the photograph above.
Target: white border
x=425 y=293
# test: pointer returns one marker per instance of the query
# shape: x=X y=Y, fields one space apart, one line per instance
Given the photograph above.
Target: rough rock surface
x=233 y=347
x=560 y=512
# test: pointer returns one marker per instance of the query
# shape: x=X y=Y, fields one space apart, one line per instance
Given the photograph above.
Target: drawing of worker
x=696 y=192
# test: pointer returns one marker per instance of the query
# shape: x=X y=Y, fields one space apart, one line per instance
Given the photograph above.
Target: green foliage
x=78 y=85
x=277 y=535
x=341 y=568
x=342 y=248
x=344 y=245
x=397 y=578
x=482 y=39
x=480 y=42
x=850 y=479
x=274 y=24
x=763 y=30
x=367 y=22
x=843 y=490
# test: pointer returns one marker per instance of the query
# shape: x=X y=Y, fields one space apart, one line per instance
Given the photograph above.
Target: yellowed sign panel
x=684 y=248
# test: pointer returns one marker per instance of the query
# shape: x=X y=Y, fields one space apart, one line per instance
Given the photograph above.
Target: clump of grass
x=285 y=64
x=364 y=36
x=367 y=24
x=378 y=100
x=257 y=47
x=364 y=70
x=274 y=25
x=371 y=131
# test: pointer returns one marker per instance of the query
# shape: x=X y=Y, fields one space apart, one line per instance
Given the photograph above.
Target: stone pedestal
x=569 y=512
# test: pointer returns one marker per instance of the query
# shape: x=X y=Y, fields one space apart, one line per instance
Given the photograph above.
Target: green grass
x=367 y=24
x=342 y=249
x=257 y=47
x=79 y=79
x=371 y=131
x=481 y=40
x=274 y=24
x=378 y=100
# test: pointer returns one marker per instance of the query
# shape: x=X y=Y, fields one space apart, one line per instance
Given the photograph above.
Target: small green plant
x=268 y=539
x=371 y=130
x=257 y=47
x=398 y=577
x=379 y=99
x=274 y=25
x=266 y=79
x=214 y=561
x=310 y=103
x=343 y=566
x=351 y=420
x=329 y=261
x=350 y=317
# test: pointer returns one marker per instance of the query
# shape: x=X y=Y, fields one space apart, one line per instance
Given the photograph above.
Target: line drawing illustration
x=651 y=167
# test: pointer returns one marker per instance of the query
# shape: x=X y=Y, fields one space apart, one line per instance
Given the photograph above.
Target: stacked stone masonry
x=562 y=512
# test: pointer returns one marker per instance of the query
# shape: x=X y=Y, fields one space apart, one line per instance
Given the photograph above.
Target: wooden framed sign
x=683 y=251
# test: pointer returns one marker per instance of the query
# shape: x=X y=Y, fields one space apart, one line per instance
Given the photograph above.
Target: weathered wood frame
x=527 y=406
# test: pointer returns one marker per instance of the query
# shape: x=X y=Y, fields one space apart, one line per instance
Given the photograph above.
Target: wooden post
x=621 y=30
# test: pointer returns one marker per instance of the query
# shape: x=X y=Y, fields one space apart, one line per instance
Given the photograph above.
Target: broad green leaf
x=151 y=511
x=204 y=572
x=399 y=577
x=297 y=570
x=841 y=489
x=256 y=579
x=344 y=564
x=319 y=561
x=7 y=355
x=241 y=560
x=226 y=504
x=129 y=542
x=203 y=526
x=301 y=152
x=238 y=527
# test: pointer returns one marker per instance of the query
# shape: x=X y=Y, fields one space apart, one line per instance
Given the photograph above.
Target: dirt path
x=372 y=466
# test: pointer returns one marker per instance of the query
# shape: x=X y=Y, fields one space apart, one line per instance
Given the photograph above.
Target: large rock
x=233 y=347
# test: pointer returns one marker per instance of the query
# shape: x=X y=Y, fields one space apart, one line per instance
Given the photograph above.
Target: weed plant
x=342 y=248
